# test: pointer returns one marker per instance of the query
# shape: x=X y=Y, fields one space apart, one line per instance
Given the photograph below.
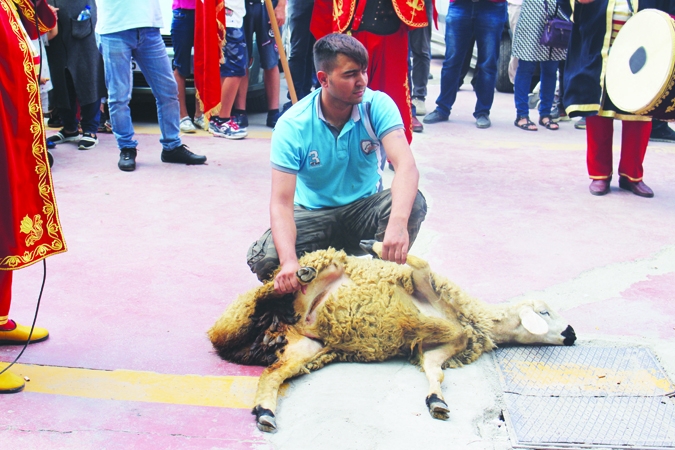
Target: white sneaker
x=200 y=122
x=186 y=125
x=228 y=130
x=420 y=107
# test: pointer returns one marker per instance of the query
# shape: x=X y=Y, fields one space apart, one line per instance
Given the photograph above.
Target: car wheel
x=503 y=82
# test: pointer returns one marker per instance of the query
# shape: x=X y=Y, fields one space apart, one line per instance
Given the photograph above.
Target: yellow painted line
x=588 y=378
x=129 y=385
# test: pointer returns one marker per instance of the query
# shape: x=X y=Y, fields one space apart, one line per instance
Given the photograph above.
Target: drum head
x=641 y=61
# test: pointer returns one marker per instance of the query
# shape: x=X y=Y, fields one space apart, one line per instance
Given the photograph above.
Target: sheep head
x=533 y=322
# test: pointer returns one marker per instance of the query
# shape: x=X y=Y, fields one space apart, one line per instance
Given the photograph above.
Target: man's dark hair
x=327 y=49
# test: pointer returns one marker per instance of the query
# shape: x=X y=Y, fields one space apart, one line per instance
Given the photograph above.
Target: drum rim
x=668 y=85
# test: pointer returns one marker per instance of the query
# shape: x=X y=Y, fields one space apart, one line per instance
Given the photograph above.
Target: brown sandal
x=549 y=124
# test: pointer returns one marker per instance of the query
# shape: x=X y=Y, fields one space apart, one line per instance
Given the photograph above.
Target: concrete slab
x=155 y=256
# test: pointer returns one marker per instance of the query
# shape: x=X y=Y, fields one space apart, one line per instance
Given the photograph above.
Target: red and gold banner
x=29 y=223
x=208 y=52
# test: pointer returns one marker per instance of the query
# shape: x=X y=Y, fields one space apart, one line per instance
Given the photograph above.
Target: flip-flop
x=527 y=126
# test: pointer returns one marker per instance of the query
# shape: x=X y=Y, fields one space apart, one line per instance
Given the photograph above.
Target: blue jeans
x=145 y=45
x=183 y=39
x=466 y=19
x=521 y=86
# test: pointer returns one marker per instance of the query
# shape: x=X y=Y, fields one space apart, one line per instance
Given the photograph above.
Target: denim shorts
x=183 y=38
x=257 y=21
x=236 y=55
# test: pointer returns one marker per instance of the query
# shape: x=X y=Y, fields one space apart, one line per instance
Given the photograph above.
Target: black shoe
x=127 y=161
x=661 y=132
x=181 y=155
x=51 y=159
x=272 y=117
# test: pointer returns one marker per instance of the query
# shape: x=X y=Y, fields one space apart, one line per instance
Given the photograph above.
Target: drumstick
x=282 y=52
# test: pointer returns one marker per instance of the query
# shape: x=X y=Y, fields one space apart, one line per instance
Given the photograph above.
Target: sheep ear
x=532 y=322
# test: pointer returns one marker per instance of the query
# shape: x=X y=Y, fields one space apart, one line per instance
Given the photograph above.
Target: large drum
x=641 y=66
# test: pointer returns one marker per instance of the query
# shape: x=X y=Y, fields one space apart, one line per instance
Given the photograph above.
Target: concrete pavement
x=156 y=255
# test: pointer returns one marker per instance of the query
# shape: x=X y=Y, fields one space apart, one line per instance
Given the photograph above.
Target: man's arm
x=280 y=12
x=283 y=230
x=403 y=193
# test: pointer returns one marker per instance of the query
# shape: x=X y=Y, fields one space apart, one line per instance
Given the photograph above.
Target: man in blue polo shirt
x=328 y=153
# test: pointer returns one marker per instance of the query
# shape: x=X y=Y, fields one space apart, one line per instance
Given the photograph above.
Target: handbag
x=557 y=31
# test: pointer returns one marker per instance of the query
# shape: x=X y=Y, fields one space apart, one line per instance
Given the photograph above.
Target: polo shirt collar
x=356 y=116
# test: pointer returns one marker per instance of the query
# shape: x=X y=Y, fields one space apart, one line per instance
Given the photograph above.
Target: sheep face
x=539 y=324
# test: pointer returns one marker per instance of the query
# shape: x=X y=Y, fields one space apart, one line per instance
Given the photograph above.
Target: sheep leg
x=421 y=274
x=432 y=363
x=299 y=351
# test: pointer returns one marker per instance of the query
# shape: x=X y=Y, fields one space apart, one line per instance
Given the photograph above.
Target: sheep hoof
x=306 y=274
x=437 y=408
x=372 y=247
x=265 y=420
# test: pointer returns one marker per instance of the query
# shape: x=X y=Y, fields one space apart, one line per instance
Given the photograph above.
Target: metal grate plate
x=585 y=371
x=586 y=397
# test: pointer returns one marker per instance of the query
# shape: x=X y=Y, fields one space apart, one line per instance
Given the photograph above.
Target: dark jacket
x=74 y=51
x=584 y=69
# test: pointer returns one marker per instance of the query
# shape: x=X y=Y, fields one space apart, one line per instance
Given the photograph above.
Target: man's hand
x=396 y=242
x=286 y=281
x=280 y=13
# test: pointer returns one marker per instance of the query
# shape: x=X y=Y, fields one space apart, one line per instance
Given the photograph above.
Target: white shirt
x=235 y=10
x=120 y=15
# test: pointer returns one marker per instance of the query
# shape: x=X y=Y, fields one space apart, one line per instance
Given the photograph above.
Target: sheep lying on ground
x=357 y=309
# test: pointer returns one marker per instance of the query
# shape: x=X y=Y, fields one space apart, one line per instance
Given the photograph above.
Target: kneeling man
x=328 y=154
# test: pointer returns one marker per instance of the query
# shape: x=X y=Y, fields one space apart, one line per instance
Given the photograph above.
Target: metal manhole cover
x=585 y=397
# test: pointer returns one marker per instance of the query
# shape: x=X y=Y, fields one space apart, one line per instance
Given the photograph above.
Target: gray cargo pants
x=341 y=228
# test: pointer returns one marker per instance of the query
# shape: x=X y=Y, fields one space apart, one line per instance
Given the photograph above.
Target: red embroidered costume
x=29 y=224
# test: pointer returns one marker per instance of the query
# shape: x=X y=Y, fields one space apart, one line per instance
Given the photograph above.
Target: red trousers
x=388 y=69
x=634 y=139
x=5 y=294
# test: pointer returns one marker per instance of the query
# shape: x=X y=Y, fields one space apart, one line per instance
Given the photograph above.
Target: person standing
x=300 y=61
x=382 y=27
x=232 y=73
x=585 y=93
x=129 y=28
x=183 y=39
x=257 y=21
x=30 y=230
x=466 y=19
x=529 y=52
x=77 y=73
x=420 y=48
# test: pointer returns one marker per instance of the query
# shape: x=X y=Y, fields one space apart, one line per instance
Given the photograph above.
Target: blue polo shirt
x=334 y=168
